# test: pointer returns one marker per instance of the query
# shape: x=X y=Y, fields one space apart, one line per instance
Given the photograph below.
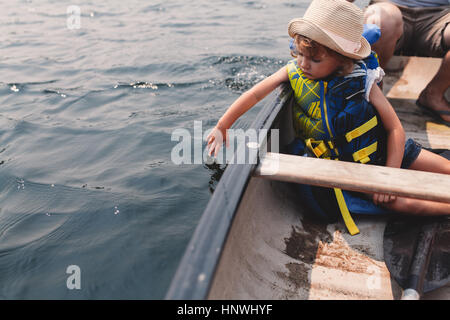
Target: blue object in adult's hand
x=371 y=32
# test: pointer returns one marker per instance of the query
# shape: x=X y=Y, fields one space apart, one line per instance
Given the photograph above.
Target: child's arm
x=247 y=100
x=395 y=134
x=393 y=126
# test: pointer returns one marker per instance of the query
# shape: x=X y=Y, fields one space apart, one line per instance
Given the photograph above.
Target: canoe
x=255 y=240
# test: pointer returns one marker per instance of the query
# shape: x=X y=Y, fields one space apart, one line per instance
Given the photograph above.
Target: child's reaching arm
x=247 y=100
x=395 y=134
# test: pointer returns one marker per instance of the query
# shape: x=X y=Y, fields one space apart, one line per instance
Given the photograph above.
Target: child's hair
x=315 y=49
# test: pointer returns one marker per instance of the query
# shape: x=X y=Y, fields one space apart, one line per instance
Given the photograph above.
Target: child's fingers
x=216 y=152
x=211 y=148
x=214 y=141
x=211 y=135
x=379 y=198
x=388 y=198
x=375 y=198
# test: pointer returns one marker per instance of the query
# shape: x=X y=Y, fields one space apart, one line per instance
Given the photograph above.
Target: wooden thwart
x=355 y=176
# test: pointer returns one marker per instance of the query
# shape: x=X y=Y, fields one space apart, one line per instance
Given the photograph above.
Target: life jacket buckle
x=319 y=149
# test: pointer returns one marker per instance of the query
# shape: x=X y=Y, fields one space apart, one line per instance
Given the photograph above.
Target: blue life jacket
x=349 y=130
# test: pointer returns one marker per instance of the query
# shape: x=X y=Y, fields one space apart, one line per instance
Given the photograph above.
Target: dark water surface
x=86 y=118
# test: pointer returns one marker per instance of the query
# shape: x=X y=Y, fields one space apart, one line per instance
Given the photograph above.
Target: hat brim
x=309 y=29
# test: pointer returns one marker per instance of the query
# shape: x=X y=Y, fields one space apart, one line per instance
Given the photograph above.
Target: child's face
x=319 y=66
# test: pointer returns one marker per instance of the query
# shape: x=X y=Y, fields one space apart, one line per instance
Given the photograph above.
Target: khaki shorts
x=423 y=30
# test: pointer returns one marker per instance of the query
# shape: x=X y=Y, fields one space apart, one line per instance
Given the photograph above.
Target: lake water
x=90 y=94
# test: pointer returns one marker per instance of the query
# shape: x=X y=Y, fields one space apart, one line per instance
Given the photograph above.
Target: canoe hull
x=276 y=251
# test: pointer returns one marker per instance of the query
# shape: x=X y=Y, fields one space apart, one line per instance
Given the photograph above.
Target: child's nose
x=305 y=63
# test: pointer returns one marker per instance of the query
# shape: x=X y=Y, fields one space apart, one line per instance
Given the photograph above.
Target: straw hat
x=336 y=24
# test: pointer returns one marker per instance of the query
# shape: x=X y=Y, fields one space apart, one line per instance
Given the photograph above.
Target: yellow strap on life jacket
x=349 y=223
x=355 y=133
x=348 y=220
x=362 y=155
x=320 y=148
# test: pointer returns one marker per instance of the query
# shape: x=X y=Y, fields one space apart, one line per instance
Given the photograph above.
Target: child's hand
x=379 y=198
x=215 y=140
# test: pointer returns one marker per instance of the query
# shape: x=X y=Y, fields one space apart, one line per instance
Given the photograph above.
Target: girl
x=340 y=112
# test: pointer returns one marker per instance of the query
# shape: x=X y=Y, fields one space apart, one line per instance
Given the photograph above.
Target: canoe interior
x=402 y=87
x=276 y=250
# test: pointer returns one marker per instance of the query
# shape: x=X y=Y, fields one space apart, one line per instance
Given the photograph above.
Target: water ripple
x=86 y=120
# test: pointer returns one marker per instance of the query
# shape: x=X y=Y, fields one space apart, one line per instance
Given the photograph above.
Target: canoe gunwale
x=195 y=272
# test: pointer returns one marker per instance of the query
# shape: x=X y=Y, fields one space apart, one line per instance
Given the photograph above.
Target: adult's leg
x=388 y=18
x=433 y=96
